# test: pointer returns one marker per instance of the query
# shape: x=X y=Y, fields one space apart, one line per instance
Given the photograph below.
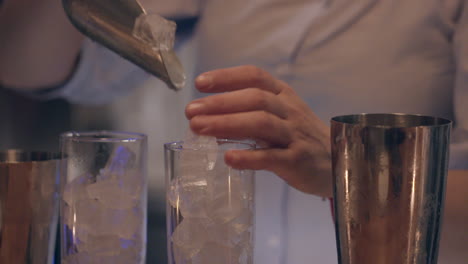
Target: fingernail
x=194 y=108
x=204 y=81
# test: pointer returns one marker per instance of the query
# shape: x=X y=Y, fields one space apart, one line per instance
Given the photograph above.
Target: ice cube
x=120 y=257
x=134 y=224
x=227 y=199
x=86 y=213
x=224 y=209
x=121 y=160
x=214 y=253
x=93 y=218
x=125 y=223
x=235 y=232
x=113 y=250
x=104 y=245
x=198 y=142
x=189 y=197
x=112 y=194
x=133 y=183
x=242 y=223
x=189 y=238
x=202 y=150
x=155 y=30
x=196 y=162
x=75 y=190
x=222 y=179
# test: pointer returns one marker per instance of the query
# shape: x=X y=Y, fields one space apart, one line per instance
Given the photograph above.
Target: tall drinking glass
x=209 y=205
x=104 y=197
x=389 y=185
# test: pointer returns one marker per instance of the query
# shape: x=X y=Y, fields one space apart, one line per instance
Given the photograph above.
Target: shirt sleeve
x=100 y=76
x=459 y=147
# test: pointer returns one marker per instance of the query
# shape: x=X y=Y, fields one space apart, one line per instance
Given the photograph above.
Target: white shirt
x=341 y=56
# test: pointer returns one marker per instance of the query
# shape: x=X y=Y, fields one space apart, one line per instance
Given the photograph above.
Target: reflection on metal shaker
x=28 y=207
x=389 y=175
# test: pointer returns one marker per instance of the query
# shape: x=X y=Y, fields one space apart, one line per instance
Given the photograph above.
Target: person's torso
x=342 y=57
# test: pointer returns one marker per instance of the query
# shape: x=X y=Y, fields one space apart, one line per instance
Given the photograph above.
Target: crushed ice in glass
x=105 y=214
x=216 y=206
x=155 y=30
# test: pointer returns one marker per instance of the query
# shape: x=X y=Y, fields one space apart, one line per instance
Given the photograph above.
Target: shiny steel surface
x=110 y=23
x=389 y=186
x=28 y=207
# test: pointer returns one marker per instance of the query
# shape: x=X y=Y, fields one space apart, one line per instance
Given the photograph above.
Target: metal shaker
x=110 y=23
x=389 y=175
x=28 y=207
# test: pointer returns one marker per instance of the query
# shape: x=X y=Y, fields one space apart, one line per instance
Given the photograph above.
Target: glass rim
x=178 y=145
x=19 y=155
x=391 y=120
x=102 y=136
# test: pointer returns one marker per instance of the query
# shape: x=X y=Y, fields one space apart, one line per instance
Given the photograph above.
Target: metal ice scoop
x=111 y=22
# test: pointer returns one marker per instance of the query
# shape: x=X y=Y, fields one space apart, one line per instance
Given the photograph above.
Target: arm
x=41 y=49
x=39 y=46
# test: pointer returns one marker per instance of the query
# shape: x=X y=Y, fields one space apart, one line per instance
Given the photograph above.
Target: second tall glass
x=210 y=205
x=104 y=196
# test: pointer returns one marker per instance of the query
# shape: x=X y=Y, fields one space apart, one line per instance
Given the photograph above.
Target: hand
x=251 y=104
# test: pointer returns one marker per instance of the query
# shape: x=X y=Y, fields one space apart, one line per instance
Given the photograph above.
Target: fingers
x=253 y=125
x=237 y=78
x=277 y=160
x=247 y=100
x=259 y=159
